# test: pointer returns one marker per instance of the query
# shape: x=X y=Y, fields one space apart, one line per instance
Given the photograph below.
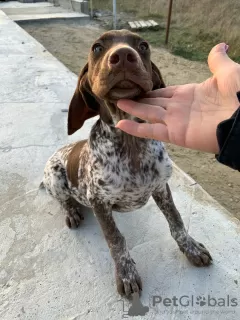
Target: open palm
x=188 y=115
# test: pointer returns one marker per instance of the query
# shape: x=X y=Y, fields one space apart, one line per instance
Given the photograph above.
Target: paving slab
x=48 y=272
x=33 y=10
x=27 y=12
x=16 y=4
x=48 y=16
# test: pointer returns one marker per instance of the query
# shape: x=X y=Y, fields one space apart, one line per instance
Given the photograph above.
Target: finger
x=218 y=58
x=164 y=92
x=160 y=102
x=143 y=111
x=156 y=131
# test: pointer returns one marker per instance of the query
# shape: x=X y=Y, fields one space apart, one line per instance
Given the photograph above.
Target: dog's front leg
x=195 y=251
x=127 y=278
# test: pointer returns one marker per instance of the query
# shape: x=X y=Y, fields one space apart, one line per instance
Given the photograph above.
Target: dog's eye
x=143 y=46
x=97 y=48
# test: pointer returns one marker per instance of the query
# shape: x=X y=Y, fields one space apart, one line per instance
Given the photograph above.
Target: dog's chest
x=128 y=181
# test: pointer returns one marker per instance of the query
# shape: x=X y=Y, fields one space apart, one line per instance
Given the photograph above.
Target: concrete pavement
x=48 y=272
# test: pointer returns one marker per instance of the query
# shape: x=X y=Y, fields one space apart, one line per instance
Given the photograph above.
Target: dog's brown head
x=119 y=66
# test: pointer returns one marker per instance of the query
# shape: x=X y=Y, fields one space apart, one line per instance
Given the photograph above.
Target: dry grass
x=196 y=25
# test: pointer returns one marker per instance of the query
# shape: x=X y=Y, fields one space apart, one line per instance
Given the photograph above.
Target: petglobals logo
x=192 y=301
x=185 y=304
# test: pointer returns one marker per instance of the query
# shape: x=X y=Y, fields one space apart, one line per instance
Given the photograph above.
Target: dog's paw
x=196 y=253
x=73 y=218
x=127 y=278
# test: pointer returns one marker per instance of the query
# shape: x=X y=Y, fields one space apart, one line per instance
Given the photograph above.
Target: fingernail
x=226 y=47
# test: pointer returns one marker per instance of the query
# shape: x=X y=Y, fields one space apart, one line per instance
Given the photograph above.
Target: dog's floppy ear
x=157 y=78
x=83 y=104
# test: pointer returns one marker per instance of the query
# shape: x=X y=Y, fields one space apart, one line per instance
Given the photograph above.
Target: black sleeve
x=228 y=136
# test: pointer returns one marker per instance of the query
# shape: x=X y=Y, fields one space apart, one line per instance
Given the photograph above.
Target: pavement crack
x=20 y=196
x=10 y=148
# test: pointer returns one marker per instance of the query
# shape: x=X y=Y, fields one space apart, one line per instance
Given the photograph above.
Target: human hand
x=188 y=115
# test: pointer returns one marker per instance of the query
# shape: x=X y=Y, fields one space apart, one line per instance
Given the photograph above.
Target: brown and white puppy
x=112 y=170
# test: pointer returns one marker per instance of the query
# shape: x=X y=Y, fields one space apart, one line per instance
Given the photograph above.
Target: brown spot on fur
x=73 y=162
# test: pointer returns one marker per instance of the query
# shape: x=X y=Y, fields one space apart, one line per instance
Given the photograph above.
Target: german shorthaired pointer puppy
x=113 y=170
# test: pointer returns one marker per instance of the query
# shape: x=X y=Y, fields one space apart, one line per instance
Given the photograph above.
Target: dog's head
x=119 y=66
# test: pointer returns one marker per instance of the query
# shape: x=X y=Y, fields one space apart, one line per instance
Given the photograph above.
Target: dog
x=112 y=170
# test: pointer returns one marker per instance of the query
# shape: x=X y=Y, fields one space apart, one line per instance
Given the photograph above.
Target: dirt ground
x=70 y=43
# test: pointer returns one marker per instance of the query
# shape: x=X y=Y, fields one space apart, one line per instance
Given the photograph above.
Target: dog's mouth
x=123 y=85
x=124 y=89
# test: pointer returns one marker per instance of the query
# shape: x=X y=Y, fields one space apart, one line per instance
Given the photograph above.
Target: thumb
x=218 y=58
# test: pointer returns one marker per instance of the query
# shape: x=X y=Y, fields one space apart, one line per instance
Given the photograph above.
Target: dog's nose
x=123 y=57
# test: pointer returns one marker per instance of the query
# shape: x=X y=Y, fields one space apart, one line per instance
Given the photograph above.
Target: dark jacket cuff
x=228 y=136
